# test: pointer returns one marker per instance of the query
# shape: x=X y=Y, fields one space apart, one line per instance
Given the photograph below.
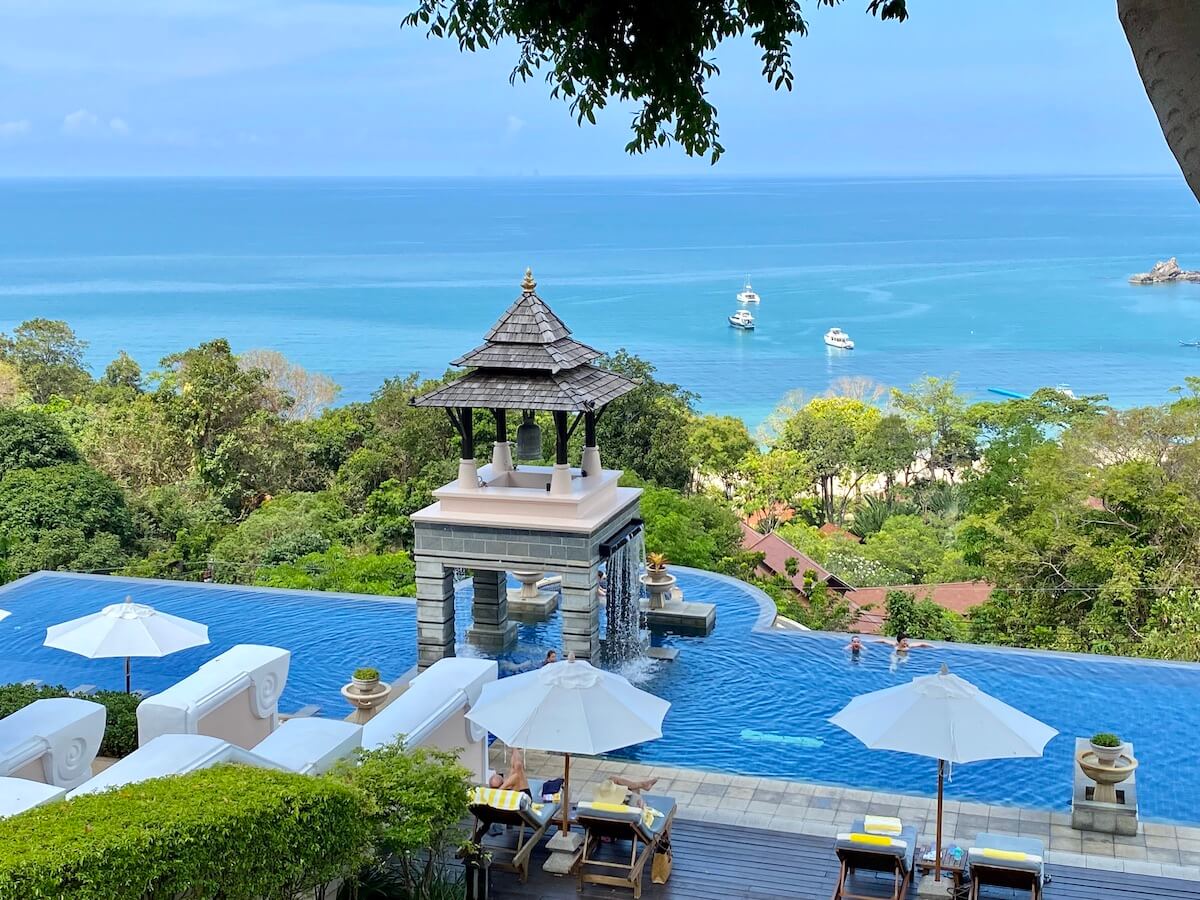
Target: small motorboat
x=747 y=294
x=742 y=319
x=1189 y=343
x=835 y=337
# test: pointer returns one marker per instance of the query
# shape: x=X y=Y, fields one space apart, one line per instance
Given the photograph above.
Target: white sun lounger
x=432 y=712
x=306 y=746
x=170 y=754
x=310 y=745
x=234 y=696
x=53 y=741
x=20 y=794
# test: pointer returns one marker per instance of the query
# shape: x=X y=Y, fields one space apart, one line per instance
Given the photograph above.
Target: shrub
x=231 y=832
x=1106 y=739
x=120 y=729
x=366 y=674
x=419 y=800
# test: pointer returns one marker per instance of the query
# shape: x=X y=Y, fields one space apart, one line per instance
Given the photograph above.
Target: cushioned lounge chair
x=512 y=809
x=887 y=847
x=622 y=823
x=1000 y=860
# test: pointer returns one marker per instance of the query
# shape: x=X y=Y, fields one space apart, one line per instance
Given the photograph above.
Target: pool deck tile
x=824 y=810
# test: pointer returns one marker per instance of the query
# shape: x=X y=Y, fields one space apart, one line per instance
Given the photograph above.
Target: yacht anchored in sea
x=835 y=337
x=742 y=319
x=747 y=294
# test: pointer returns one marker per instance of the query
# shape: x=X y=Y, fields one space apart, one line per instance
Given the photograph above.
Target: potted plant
x=366 y=680
x=656 y=565
x=476 y=862
x=1107 y=748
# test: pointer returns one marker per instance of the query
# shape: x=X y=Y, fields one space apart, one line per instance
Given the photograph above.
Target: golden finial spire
x=528 y=284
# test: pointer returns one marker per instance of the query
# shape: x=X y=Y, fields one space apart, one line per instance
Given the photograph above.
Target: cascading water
x=624 y=638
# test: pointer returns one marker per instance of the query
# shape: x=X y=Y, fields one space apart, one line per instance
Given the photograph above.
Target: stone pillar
x=490 y=628
x=581 y=613
x=435 y=612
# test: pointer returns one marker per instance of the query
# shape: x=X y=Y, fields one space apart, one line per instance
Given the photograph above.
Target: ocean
x=1009 y=282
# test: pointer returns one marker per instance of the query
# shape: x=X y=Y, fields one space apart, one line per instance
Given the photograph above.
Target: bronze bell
x=529 y=439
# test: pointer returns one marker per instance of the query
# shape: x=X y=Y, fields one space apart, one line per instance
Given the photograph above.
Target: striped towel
x=498 y=799
x=882 y=825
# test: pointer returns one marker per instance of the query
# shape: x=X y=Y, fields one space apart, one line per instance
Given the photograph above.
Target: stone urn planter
x=1107 y=748
x=366 y=680
x=366 y=693
x=658 y=581
x=1106 y=775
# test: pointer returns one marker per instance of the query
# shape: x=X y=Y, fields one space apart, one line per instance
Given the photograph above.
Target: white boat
x=835 y=337
x=747 y=294
x=742 y=319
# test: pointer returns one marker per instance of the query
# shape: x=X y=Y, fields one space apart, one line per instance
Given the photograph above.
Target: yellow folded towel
x=498 y=799
x=876 y=840
x=882 y=825
x=1008 y=855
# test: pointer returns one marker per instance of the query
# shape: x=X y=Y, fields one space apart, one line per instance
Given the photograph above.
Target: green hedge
x=120 y=730
x=231 y=832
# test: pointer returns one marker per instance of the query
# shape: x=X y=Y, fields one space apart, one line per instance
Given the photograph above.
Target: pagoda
x=508 y=516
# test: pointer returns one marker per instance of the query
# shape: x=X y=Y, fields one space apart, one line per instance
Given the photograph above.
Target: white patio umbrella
x=945 y=718
x=126 y=629
x=569 y=707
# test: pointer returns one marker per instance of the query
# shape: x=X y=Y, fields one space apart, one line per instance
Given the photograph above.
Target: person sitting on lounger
x=516 y=780
x=636 y=787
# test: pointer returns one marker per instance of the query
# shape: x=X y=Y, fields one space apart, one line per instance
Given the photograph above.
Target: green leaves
x=230 y=832
x=657 y=55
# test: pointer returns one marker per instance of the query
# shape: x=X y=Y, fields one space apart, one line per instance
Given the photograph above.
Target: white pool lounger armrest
x=171 y=754
x=53 y=741
x=20 y=794
x=234 y=696
x=432 y=712
x=310 y=745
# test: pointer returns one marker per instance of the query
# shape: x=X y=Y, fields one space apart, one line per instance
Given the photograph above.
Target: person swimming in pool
x=855 y=647
x=901 y=645
x=551 y=657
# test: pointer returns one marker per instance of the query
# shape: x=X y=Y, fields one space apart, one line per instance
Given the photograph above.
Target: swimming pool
x=743 y=700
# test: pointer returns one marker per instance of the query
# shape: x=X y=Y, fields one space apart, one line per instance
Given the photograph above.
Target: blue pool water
x=743 y=701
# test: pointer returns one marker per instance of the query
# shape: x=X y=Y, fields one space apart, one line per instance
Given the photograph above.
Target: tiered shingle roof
x=530 y=361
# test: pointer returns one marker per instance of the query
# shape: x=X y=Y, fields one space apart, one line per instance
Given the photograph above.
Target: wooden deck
x=725 y=862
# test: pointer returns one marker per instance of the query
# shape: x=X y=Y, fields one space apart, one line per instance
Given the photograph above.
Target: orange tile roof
x=776 y=552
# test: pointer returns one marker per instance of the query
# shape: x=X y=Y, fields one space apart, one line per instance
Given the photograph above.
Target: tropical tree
x=644 y=431
x=770 y=485
x=31 y=439
x=304 y=393
x=717 y=445
x=123 y=372
x=49 y=358
x=831 y=433
x=937 y=416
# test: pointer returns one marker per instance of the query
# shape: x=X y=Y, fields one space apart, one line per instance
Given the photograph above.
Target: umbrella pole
x=566 y=794
x=128 y=678
x=937 y=860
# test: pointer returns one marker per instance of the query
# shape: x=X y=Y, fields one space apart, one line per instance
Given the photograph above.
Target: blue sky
x=292 y=87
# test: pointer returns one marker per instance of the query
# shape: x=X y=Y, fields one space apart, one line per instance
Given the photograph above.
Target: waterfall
x=623 y=609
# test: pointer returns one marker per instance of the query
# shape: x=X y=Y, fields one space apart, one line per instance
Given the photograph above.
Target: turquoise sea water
x=1011 y=283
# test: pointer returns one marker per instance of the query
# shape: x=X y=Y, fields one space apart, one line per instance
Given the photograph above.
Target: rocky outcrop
x=1165 y=273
